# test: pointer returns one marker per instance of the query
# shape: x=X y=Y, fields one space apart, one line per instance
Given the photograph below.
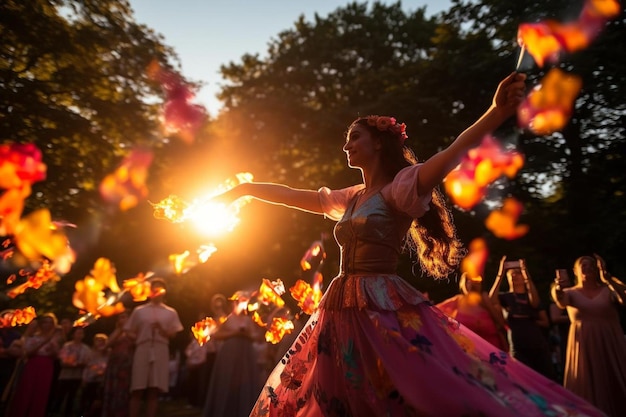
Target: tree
x=573 y=181
x=74 y=82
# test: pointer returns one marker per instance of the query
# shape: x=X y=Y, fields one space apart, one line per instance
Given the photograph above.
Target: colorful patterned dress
x=377 y=347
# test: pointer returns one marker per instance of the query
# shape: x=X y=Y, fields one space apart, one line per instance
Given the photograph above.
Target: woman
x=473 y=308
x=73 y=357
x=116 y=387
x=527 y=322
x=375 y=346
x=595 y=366
x=234 y=383
x=40 y=350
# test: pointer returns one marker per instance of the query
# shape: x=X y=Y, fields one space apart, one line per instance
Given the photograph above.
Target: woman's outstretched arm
x=508 y=96
x=279 y=194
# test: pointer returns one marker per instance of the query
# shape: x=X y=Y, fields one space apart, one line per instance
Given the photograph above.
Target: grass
x=177 y=408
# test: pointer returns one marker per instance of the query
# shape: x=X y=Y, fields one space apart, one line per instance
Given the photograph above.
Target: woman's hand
x=510 y=93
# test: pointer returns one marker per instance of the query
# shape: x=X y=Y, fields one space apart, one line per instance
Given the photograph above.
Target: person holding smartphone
x=595 y=368
x=527 y=322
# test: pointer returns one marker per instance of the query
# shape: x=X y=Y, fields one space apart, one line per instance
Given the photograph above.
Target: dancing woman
x=376 y=346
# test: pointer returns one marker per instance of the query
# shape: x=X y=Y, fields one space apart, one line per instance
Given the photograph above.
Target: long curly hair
x=433 y=236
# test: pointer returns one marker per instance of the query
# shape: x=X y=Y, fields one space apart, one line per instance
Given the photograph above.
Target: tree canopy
x=74 y=82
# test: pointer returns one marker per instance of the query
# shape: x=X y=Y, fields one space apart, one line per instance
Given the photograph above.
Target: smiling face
x=361 y=147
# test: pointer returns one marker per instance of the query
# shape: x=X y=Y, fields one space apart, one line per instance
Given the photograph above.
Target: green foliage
x=74 y=82
x=81 y=92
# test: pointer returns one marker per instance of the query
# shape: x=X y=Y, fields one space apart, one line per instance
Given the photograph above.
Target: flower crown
x=383 y=123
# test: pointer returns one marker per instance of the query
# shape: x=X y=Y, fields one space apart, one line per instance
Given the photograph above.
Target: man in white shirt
x=152 y=325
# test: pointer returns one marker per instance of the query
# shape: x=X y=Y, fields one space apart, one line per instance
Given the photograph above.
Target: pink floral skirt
x=377 y=347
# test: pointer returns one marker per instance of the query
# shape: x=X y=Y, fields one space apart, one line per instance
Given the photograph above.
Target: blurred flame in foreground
x=467 y=184
x=503 y=223
x=546 y=40
x=548 y=107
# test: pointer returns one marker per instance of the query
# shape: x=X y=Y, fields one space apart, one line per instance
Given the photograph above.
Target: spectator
x=152 y=325
x=73 y=358
x=39 y=349
x=474 y=309
x=93 y=378
x=526 y=321
x=116 y=391
x=195 y=355
x=595 y=368
x=234 y=384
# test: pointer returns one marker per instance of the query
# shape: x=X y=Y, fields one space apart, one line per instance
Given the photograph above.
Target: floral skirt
x=376 y=347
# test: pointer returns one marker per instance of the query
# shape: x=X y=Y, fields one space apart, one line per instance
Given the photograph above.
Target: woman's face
x=46 y=324
x=516 y=280
x=360 y=147
x=586 y=269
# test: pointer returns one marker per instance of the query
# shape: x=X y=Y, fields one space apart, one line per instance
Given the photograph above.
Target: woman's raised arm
x=508 y=96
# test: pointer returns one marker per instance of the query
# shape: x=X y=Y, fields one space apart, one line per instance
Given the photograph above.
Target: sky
x=209 y=33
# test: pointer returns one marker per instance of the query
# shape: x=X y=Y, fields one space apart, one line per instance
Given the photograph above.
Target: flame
x=549 y=105
x=103 y=272
x=202 y=330
x=270 y=292
x=307 y=296
x=127 y=185
x=546 y=40
x=138 y=287
x=466 y=185
x=11 y=207
x=205 y=252
x=171 y=208
x=89 y=293
x=36 y=236
x=43 y=274
x=179 y=261
x=315 y=255
x=278 y=329
x=474 y=263
x=503 y=223
x=209 y=217
x=17 y=317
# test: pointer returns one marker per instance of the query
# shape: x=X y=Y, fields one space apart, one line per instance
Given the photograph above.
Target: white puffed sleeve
x=404 y=193
x=334 y=202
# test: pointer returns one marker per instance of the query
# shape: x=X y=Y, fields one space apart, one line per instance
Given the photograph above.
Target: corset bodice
x=370 y=236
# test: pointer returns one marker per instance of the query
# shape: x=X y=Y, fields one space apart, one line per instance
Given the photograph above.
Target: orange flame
x=308 y=297
x=209 y=216
x=546 y=40
x=278 y=329
x=44 y=274
x=127 y=185
x=549 y=105
x=270 y=292
x=466 y=185
x=36 y=236
x=202 y=330
x=17 y=317
x=138 y=287
x=171 y=208
x=474 y=263
x=503 y=223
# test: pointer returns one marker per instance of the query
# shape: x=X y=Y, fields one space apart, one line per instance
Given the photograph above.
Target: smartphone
x=562 y=276
x=511 y=264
